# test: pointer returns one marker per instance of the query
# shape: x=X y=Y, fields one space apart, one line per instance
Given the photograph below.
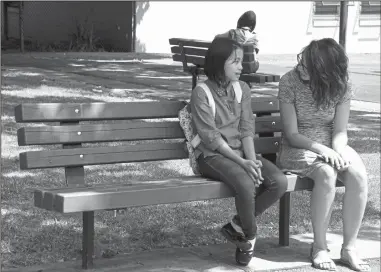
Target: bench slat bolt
x=273 y=123
x=79 y=133
x=76 y=110
x=276 y=143
x=81 y=156
x=270 y=103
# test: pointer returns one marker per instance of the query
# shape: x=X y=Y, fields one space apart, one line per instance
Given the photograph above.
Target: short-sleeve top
x=316 y=124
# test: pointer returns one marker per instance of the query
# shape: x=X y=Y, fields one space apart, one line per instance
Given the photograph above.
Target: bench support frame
x=284 y=219
x=75 y=176
x=87 y=239
x=284 y=202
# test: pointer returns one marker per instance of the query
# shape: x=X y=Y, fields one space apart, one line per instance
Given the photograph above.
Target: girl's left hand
x=346 y=160
x=258 y=162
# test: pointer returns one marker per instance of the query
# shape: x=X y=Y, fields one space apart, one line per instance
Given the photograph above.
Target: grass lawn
x=33 y=236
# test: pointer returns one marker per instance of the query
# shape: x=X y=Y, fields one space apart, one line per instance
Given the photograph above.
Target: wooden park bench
x=69 y=130
x=192 y=55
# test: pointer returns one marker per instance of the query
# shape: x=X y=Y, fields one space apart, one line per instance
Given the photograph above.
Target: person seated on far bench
x=244 y=34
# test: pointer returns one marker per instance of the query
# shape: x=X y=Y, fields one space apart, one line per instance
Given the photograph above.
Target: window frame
x=376 y=5
x=321 y=8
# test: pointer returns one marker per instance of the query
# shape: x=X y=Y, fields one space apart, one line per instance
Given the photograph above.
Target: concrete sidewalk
x=220 y=258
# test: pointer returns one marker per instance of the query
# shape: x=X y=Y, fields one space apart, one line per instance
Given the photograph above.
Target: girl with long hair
x=315 y=105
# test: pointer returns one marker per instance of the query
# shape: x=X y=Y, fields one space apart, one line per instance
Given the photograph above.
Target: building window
x=327 y=8
x=370 y=8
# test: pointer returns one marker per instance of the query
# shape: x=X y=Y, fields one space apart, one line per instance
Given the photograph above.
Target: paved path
x=220 y=258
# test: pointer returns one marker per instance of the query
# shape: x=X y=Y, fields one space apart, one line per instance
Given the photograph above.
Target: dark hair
x=216 y=56
x=248 y=19
x=327 y=65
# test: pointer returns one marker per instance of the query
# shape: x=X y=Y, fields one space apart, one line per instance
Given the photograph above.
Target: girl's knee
x=245 y=186
x=356 y=179
x=325 y=177
x=281 y=183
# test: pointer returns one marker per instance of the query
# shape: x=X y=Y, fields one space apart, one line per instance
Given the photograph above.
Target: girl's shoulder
x=200 y=91
x=289 y=78
x=244 y=86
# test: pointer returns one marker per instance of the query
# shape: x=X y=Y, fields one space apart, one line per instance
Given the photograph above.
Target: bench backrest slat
x=60 y=112
x=196 y=60
x=190 y=51
x=194 y=51
x=73 y=175
x=121 y=154
x=131 y=131
x=189 y=42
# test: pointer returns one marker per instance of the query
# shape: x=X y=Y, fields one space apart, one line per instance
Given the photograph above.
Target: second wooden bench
x=191 y=53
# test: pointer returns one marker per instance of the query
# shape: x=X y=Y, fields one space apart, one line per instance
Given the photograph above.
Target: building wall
x=283 y=27
x=52 y=21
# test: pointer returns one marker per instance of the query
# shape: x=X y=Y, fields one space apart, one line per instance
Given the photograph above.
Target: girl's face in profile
x=233 y=65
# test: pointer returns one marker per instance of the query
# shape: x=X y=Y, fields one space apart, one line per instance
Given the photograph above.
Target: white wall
x=283 y=27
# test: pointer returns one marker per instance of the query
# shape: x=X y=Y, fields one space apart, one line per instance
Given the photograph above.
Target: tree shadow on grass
x=364 y=131
x=99 y=85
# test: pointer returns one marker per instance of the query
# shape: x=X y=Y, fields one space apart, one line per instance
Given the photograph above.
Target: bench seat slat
x=121 y=154
x=59 y=112
x=132 y=131
x=174 y=190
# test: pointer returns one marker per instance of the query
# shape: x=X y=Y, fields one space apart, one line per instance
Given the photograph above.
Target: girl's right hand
x=254 y=171
x=331 y=156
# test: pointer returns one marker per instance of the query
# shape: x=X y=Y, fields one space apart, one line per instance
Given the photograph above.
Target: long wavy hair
x=326 y=63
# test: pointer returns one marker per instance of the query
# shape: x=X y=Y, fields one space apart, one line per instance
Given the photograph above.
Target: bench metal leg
x=284 y=219
x=194 y=80
x=87 y=240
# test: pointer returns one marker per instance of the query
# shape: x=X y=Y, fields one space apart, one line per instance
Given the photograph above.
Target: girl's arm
x=252 y=167
x=291 y=133
x=203 y=119
x=247 y=129
x=247 y=123
x=340 y=136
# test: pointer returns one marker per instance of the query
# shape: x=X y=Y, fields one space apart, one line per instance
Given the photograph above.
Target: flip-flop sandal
x=322 y=254
x=352 y=266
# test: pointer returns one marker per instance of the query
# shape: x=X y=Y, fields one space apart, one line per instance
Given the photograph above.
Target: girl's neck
x=225 y=84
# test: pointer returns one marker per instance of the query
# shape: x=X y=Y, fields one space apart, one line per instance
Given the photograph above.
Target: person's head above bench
x=248 y=21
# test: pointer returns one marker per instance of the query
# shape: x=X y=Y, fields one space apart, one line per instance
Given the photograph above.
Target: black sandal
x=243 y=257
x=235 y=237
